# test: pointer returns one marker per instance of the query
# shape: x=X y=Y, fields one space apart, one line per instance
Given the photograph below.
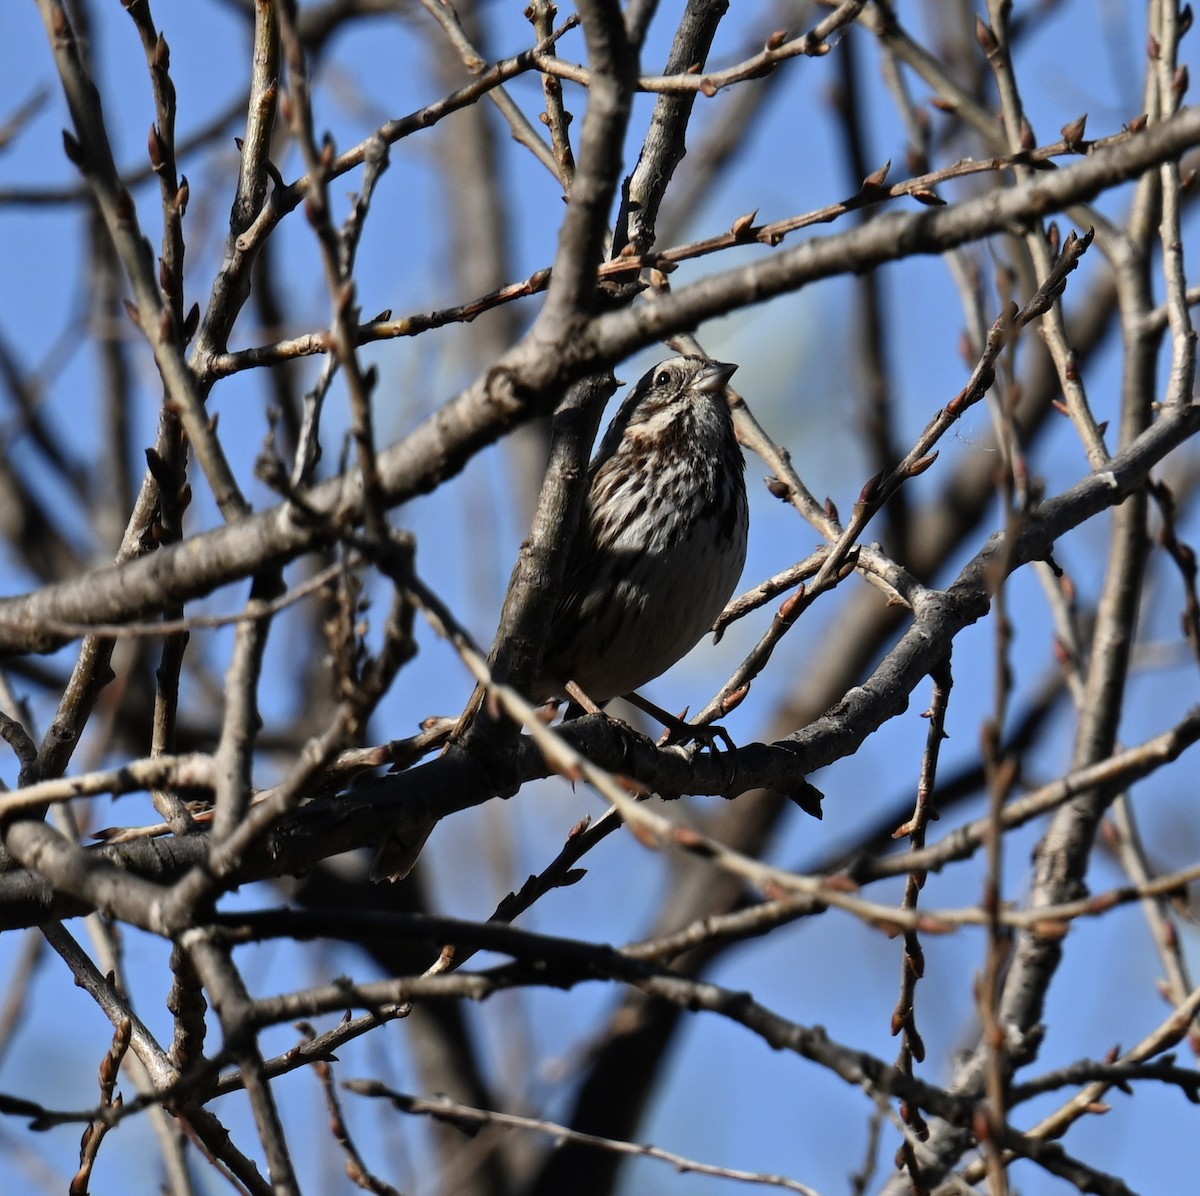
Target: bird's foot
x=708 y=737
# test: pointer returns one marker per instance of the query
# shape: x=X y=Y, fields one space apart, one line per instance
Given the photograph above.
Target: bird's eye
x=663 y=377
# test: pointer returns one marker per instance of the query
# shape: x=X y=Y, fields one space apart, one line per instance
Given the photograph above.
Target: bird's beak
x=714 y=377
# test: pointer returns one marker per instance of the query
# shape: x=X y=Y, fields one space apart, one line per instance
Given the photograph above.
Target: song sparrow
x=660 y=547
x=662 y=539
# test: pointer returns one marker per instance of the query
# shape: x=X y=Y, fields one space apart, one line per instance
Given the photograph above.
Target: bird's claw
x=706 y=737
